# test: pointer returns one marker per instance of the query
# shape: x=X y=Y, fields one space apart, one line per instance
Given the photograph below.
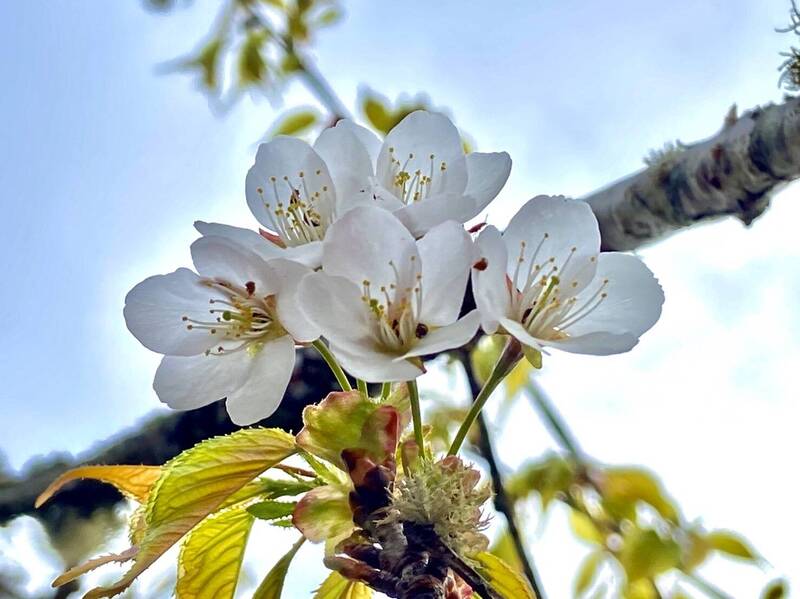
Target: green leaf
x=378 y=114
x=645 y=554
x=195 y=484
x=504 y=548
x=295 y=122
x=776 y=589
x=329 y=17
x=548 y=477
x=484 y=356
x=324 y=513
x=731 y=544
x=584 y=528
x=272 y=586
x=587 y=572
x=211 y=556
x=272 y=510
x=274 y=488
x=207 y=60
x=134 y=482
x=623 y=487
x=337 y=586
x=509 y=583
x=252 y=66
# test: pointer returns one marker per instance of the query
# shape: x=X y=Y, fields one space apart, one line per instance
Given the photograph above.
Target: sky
x=105 y=162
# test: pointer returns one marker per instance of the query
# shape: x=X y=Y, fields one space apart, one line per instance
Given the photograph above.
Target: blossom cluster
x=363 y=244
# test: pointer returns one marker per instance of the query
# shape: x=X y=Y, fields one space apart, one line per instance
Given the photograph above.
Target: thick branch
x=734 y=173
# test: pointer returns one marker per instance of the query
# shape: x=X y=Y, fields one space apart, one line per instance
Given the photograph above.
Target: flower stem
x=386 y=388
x=362 y=388
x=505 y=363
x=416 y=415
x=330 y=360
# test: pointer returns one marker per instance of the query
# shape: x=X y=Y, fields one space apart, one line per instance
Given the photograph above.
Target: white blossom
x=384 y=299
x=228 y=331
x=545 y=282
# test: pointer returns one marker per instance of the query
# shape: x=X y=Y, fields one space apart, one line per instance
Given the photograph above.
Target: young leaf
x=133 y=481
x=731 y=544
x=624 y=486
x=645 y=554
x=211 y=556
x=775 y=590
x=587 y=572
x=195 y=484
x=272 y=586
x=272 y=510
x=324 y=513
x=294 y=122
x=584 y=528
x=503 y=578
x=337 y=586
x=504 y=548
x=252 y=66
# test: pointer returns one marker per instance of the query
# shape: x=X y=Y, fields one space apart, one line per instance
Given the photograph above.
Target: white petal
x=286 y=277
x=252 y=240
x=447 y=337
x=267 y=378
x=284 y=158
x=367 y=138
x=309 y=254
x=185 y=383
x=376 y=367
x=335 y=306
x=489 y=285
x=420 y=217
x=371 y=244
x=520 y=333
x=597 y=344
x=349 y=164
x=634 y=299
x=421 y=135
x=487 y=173
x=155 y=308
x=559 y=225
x=222 y=258
x=446 y=255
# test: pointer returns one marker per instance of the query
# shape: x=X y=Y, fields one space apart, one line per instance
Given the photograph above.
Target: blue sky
x=105 y=164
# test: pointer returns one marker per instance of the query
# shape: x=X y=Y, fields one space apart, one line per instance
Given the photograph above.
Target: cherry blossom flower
x=420 y=173
x=383 y=299
x=545 y=282
x=227 y=332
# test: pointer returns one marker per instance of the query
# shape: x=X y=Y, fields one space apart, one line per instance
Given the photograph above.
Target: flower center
x=544 y=304
x=412 y=185
x=300 y=214
x=396 y=309
x=240 y=320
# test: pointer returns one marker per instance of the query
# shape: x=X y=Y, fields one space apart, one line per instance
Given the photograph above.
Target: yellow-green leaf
x=207 y=60
x=622 y=487
x=133 y=481
x=211 y=556
x=731 y=544
x=324 y=513
x=272 y=586
x=587 y=572
x=195 y=484
x=775 y=590
x=272 y=510
x=645 y=554
x=640 y=589
x=484 y=356
x=509 y=583
x=584 y=528
x=295 y=122
x=252 y=66
x=337 y=586
x=533 y=356
x=504 y=548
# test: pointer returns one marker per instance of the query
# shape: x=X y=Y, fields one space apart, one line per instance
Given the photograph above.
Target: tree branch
x=733 y=173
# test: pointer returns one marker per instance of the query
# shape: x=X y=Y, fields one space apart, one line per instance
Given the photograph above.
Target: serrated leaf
x=587 y=572
x=252 y=66
x=272 y=510
x=337 y=586
x=195 y=484
x=731 y=544
x=272 y=586
x=94 y=563
x=622 y=487
x=294 y=122
x=509 y=583
x=645 y=554
x=584 y=528
x=134 y=482
x=324 y=513
x=211 y=556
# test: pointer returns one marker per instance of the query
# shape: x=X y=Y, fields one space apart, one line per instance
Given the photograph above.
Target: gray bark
x=734 y=173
